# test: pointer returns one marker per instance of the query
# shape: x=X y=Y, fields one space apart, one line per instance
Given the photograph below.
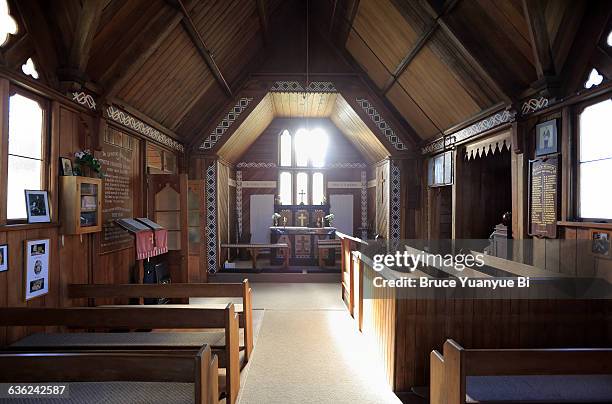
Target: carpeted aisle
x=310 y=353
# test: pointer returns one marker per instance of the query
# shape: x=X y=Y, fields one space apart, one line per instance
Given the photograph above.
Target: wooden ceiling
x=440 y=63
x=436 y=64
x=300 y=105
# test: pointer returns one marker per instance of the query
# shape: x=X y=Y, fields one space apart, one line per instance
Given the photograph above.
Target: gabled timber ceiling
x=299 y=105
x=436 y=64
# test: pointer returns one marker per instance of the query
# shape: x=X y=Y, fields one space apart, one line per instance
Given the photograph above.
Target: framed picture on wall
x=36 y=268
x=37 y=206
x=546 y=138
x=3 y=257
x=600 y=243
x=65 y=166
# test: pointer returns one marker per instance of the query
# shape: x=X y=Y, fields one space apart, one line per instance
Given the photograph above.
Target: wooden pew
x=179 y=291
x=131 y=317
x=449 y=373
x=254 y=250
x=199 y=367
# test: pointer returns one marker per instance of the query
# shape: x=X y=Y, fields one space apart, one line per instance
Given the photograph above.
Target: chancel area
x=305 y=201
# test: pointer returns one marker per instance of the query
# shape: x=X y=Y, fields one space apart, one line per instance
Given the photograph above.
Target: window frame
x=45 y=150
x=575 y=157
x=294 y=170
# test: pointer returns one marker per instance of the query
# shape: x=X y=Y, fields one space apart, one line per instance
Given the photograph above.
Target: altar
x=302 y=243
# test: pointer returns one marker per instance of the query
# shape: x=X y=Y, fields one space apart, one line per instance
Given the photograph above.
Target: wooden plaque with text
x=543 y=197
x=117 y=197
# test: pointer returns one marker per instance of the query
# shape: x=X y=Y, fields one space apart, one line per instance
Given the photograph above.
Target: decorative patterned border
x=347 y=165
x=129 y=121
x=382 y=125
x=225 y=123
x=211 y=217
x=481 y=126
x=395 y=226
x=364 y=205
x=534 y=104
x=255 y=164
x=239 y=201
x=84 y=99
x=296 y=86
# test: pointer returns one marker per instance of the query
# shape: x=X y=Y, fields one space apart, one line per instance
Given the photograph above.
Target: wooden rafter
x=476 y=61
x=431 y=28
x=540 y=42
x=200 y=45
x=72 y=75
x=45 y=44
x=263 y=21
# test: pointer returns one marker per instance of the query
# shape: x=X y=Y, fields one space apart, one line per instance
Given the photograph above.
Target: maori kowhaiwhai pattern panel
x=296 y=86
x=225 y=123
x=129 y=121
x=84 y=99
x=211 y=217
x=395 y=226
x=364 y=204
x=484 y=125
x=255 y=164
x=239 y=200
x=382 y=125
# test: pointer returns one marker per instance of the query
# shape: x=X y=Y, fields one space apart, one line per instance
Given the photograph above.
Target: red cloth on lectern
x=161 y=242
x=144 y=244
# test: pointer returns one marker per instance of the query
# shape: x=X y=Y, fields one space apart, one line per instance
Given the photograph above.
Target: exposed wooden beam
x=45 y=44
x=333 y=16
x=140 y=49
x=263 y=21
x=200 y=45
x=72 y=74
x=475 y=60
x=351 y=12
x=593 y=26
x=540 y=42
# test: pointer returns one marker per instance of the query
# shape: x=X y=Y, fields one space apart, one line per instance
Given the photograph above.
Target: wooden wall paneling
x=4 y=113
x=223 y=211
x=301 y=105
x=4 y=286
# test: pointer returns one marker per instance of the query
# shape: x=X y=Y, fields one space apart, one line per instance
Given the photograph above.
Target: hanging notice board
x=117 y=187
x=543 y=197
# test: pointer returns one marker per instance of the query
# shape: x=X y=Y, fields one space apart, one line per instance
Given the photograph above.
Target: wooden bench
x=226 y=345
x=519 y=375
x=179 y=291
x=324 y=246
x=159 y=375
x=255 y=249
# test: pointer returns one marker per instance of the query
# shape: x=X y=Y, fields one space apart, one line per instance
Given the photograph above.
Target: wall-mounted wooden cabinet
x=80 y=205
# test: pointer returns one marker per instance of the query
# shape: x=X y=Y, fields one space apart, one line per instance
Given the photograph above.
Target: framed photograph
x=37 y=206
x=600 y=243
x=65 y=166
x=36 y=268
x=3 y=257
x=546 y=138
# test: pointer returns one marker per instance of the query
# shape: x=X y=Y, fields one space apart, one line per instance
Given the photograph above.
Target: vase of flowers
x=275 y=218
x=86 y=164
x=329 y=219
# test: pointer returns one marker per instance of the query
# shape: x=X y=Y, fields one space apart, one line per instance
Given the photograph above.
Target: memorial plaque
x=544 y=197
x=117 y=196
